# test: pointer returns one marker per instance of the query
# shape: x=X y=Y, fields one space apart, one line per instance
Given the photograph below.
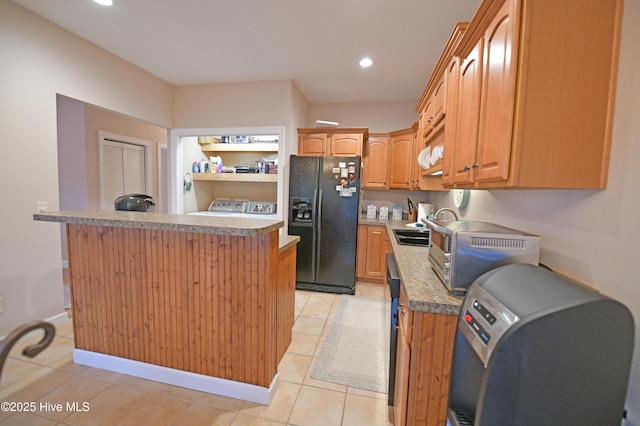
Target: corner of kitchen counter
x=425 y=292
x=287 y=241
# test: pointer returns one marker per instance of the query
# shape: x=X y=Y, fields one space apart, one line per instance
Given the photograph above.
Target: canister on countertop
x=384 y=213
x=396 y=212
x=371 y=211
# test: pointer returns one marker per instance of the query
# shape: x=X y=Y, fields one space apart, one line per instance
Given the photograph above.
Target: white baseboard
x=186 y=379
x=58 y=319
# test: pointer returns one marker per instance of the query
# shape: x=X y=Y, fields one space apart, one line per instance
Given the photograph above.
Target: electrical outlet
x=41 y=206
x=1 y=305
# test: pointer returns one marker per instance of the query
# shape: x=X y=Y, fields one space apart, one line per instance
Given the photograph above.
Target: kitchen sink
x=406 y=237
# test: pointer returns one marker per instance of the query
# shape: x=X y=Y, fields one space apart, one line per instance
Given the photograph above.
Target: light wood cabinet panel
x=439 y=108
x=346 y=145
x=430 y=368
x=498 y=85
x=452 y=77
x=400 y=396
x=416 y=173
x=423 y=366
x=312 y=144
x=376 y=252
x=331 y=141
x=285 y=299
x=361 y=251
x=401 y=159
x=373 y=246
x=376 y=161
x=467 y=116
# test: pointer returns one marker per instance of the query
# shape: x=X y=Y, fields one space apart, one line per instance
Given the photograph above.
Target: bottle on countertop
x=196 y=167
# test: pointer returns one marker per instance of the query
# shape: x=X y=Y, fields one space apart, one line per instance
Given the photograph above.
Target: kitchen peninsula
x=201 y=302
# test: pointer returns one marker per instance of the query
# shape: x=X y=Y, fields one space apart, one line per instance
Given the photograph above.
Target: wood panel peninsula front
x=201 y=302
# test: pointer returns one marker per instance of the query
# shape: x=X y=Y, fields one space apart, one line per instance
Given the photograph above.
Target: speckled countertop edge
x=425 y=292
x=247 y=227
x=287 y=241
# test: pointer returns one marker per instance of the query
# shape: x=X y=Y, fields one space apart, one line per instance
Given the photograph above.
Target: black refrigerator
x=323 y=211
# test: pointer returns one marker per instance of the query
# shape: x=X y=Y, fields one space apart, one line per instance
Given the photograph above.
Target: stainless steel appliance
x=135 y=202
x=324 y=193
x=461 y=251
x=393 y=279
x=535 y=348
x=240 y=208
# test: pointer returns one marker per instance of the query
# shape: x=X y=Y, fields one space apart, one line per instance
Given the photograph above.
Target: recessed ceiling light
x=366 y=62
x=104 y=2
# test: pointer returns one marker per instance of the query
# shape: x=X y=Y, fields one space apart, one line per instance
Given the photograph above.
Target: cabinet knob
x=474 y=165
x=466 y=168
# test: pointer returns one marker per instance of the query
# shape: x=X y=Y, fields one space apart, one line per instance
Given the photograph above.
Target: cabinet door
x=439 y=101
x=428 y=118
x=375 y=266
x=467 y=116
x=312 y=144
x=376 y=162
x=498 y=88
x=401 y=161
x=416 y=174
x=361 y=251
x=346 y=145
x=451 y=75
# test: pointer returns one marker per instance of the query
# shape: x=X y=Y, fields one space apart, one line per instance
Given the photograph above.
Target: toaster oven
x=461 y=251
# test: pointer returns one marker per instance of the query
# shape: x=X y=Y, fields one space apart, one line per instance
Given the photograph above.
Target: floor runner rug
x=356 y=351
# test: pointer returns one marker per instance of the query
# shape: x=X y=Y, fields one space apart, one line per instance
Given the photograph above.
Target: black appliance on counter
x=135 y=202
x=393 y=279
x=324 y=193
x=535 y=348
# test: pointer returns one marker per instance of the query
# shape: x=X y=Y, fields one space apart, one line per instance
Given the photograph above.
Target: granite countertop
x=247 y=227
x=287 y=241
x=425 y=292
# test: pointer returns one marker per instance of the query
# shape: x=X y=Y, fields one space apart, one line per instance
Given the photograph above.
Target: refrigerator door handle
x=314 y=235
x=319 y=233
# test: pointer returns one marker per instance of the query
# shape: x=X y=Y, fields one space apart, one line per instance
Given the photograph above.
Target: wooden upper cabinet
x=498 y=86
x=467 y=116
x=437 y=112
x=346 y=145
x=401 y=158
x=536 y=95
x=312 y=144
x=439 y=101
x=451 y=95
x=376 y=161
x=427 y=119
x=331 y=141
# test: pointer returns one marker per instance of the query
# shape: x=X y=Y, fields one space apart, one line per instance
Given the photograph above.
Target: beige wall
x=98 y=119
x=39 y=61
x=377 y=116
x=589 y=235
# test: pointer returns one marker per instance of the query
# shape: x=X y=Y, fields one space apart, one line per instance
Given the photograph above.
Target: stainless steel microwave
x=461 y=251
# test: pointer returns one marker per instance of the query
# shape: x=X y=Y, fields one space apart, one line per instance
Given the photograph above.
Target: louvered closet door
x=122 y=171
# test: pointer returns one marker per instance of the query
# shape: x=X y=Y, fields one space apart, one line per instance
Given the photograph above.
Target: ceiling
x=317 y=44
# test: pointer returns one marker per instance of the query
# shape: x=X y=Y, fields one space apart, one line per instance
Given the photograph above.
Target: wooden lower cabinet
x=423 y=368
x=373 y=246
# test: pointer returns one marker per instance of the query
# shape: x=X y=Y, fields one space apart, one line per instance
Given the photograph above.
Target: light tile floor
x=118 y=399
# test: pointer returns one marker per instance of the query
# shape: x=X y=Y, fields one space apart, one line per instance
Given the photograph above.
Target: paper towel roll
x=423 y=211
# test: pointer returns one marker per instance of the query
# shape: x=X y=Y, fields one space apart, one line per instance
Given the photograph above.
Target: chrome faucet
x=445 y=209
